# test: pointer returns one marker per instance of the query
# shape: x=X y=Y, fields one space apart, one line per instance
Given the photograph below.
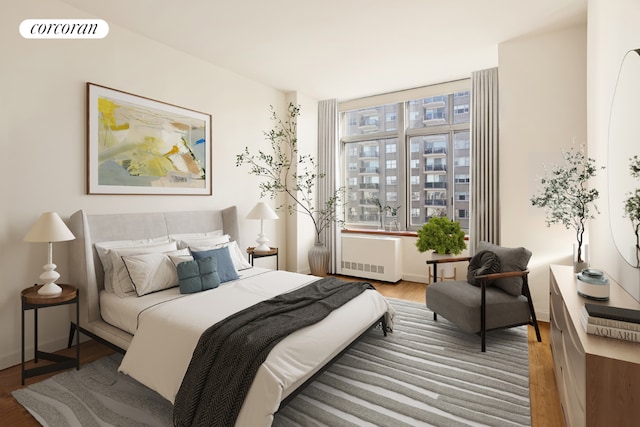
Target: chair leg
x=532 y=311
x=72 y=332
x=435 y=316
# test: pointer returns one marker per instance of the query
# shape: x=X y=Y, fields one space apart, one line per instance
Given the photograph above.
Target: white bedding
x=124 y=312
x=161 y=348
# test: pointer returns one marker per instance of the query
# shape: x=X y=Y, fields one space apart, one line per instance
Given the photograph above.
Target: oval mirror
x=624 y=143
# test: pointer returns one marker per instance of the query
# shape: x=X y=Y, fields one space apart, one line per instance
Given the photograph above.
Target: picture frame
x=140 y=146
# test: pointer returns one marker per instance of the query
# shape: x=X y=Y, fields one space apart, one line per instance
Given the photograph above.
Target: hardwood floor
x=545 y=402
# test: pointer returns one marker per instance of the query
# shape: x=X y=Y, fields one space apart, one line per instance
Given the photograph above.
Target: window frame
x=403 y=135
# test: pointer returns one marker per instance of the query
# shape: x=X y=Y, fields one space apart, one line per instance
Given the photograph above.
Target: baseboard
x=415 y=278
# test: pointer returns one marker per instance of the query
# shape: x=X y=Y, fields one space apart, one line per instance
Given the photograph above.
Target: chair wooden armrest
x=502 y=275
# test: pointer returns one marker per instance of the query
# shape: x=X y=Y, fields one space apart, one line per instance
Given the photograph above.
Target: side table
x=252 y=253
x=31 y=300
x=436 y=261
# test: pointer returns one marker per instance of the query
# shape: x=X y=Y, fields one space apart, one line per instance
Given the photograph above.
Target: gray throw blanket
x=228 y=354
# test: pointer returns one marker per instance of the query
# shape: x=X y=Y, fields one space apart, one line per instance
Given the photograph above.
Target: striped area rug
x=424 y=373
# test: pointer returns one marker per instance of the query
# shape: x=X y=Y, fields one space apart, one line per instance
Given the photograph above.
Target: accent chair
x=495 y=295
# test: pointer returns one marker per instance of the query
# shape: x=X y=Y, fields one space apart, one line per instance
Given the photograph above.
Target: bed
x=159 y=330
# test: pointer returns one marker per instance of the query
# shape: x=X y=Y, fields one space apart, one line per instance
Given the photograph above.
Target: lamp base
x=50 y=290
x=49 y=277
x=262 y=243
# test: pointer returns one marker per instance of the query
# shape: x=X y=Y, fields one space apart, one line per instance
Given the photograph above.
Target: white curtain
x=485 y=194
x=328 y=162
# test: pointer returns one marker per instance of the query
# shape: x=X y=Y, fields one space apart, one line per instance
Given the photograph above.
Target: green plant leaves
x=287 y=171
x=441 y=235
x=564 y=193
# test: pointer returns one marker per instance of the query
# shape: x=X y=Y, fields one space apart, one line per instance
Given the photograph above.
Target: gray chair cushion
x=511 y=259
x=459 y=302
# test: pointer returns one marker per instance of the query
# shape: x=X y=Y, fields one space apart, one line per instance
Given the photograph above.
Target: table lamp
x=262 y=211
x=49 y=228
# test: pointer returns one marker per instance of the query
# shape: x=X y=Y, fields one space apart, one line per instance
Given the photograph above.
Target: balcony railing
x=369 y=153
x=435 y=150
x=435 y=185
x=369 y=186
x=370 y=170
x=435 y=202
x=435 y=168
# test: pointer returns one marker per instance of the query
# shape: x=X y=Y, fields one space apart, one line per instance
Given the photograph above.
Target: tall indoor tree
x=287 y=171
x=566 y=197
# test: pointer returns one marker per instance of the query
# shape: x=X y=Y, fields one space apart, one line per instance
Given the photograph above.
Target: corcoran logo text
x=64 y=29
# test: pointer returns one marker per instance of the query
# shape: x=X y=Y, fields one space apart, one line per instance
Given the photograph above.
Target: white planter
x=319 y=259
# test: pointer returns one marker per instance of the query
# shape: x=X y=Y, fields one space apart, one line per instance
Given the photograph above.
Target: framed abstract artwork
x=137 y=145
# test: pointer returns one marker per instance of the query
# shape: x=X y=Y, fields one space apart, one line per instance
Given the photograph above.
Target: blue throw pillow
x=225 y=267
x=198 y=275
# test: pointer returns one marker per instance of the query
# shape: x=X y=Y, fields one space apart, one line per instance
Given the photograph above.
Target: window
x=424 y=146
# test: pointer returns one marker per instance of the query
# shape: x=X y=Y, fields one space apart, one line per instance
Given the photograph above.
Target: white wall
x=300 y=230
x=542 y=110
x=43 y=140
x=613 y=30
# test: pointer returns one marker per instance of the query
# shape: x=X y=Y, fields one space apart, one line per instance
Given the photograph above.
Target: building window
x=424 y=145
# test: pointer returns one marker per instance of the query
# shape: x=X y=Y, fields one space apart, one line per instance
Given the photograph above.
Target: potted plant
x=393 y=214
x=565 y=196
x=286 y=171
x=632 y=206
x=441 y=235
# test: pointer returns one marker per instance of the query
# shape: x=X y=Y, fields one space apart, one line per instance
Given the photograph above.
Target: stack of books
x=612 y=322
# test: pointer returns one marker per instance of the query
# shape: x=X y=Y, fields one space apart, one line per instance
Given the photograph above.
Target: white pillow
x=102 y=248
x=203 y=241
x=239 y=261
x=153 y=272
x=122 y=285
x=177 y=259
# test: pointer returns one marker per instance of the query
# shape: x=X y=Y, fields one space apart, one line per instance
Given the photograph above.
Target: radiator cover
x=372 y=257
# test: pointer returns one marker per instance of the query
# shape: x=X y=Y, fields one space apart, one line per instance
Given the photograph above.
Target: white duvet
x=167 y=334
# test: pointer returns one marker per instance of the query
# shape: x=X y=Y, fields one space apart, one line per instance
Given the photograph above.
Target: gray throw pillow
x=511 y=259
x=484 y=262
x=198 y=275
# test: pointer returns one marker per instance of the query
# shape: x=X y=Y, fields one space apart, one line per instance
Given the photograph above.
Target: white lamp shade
x=262 y=211
x=49 y=228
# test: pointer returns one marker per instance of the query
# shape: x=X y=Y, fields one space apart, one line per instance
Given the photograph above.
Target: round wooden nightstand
x=31 y=300
x=256 y=254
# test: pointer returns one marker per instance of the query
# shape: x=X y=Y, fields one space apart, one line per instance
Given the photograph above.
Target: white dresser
x=598 y=378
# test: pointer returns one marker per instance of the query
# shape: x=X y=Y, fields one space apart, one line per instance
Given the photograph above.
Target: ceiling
x=340 y=48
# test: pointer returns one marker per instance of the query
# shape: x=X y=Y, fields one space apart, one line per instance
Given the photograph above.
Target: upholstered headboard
x=86 y=269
